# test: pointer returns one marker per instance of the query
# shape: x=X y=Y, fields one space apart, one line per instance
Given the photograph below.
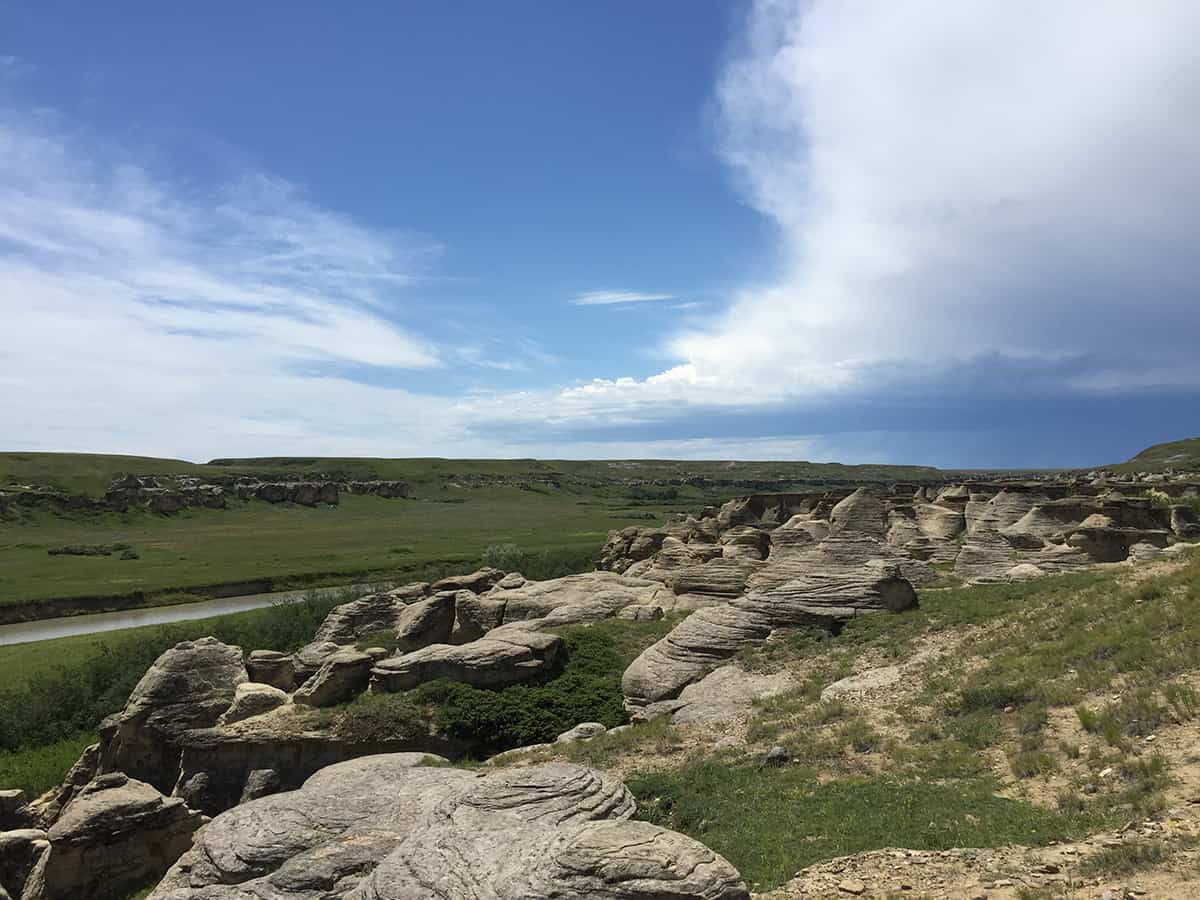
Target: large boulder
x=115 y=835
x=711 y=636
x=477 y=582
x=253 y=699
x=346 y=623
x=272 y=667
x=230 y=764
x=24 y=854
x=189 y=686
x=507 y=655
x=862 y=511
x=381 y=828
x=426 y=622
x=343 y=676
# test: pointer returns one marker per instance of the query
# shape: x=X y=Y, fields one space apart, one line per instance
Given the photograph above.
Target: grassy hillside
x=91 y=473
x=1179 y=455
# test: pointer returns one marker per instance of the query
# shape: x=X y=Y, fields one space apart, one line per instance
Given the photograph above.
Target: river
x=95 y=623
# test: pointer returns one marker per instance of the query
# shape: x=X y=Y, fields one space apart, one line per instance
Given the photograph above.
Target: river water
x=45 y=629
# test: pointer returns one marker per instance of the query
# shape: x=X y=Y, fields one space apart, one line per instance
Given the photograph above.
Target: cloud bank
x=972 y=200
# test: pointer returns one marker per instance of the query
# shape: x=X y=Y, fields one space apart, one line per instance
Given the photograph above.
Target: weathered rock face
x=387 y=829
x=115 y=835
x=723 y=694
x=375 y=612
x=342 y=676
x=273 y=668
x=476 y=582
x=507 y=655
x=189 y=686
x=24 y=854
x=862 y=512
x=223 y=766
x=14 y=811
x=710 y=636
x=427 y=621
x=253 y=699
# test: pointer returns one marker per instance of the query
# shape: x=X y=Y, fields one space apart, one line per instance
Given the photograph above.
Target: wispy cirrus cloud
x=612 y=298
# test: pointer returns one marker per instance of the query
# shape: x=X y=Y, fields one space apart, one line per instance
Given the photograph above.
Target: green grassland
x=1178 y=455
x=456 y=509
x=361 y=538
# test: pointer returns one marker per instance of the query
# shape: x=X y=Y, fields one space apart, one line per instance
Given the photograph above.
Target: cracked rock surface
x=388 y=828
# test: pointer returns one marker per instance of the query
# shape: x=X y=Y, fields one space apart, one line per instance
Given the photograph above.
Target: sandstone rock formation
x=387 y=828
x=506 y=655
x=189 y=686
x=116 y=834
x=712 y=635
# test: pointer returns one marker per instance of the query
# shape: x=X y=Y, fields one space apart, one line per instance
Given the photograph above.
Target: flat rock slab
x=507 y=655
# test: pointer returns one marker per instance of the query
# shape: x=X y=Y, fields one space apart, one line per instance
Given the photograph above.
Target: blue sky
x=695 y=229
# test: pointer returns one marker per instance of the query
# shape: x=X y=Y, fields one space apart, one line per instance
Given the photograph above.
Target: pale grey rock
x=1145 y=552
x=343 y=676
x=641 y=612
x=506 y=655
x=710 y=636
x=253 y=699
x=309 y=658
x=475 y=615
x=226 y=765
x=14 y=811
x=537 y=599
x=381 y=611
x=273 y=668
x=727 y=693
x=189 y=686
x=426 y=622
x=581 y=732
x=477 y=582
x=47 y=807
x=1024 y=572
x=510 y=581
x=940 y=521
x=864 y=682
x=115 y=835
x=24 y=853
x=379 y=828
x=862 y=512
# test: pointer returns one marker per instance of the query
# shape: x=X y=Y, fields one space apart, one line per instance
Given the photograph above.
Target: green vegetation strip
x=770 y=822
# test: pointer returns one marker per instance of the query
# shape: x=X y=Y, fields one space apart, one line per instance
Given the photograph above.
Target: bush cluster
x=539 y=565
x=587 y=688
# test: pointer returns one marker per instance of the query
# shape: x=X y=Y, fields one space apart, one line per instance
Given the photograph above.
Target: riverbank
x=121 y=620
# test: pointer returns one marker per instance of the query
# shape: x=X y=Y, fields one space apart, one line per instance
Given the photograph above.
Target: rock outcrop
x=387 y=828
x=711 y=636
x=115 y=835
x=506 y=655
x=189 y=686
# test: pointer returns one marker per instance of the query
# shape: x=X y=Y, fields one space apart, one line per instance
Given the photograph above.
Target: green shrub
x=375 y=718
x=1130 y=857
x=586 y=689
x=994 y=696
x=538 y=565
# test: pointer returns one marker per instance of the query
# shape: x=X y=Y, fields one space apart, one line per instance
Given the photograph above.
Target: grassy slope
x=979 y=747
x=1179 y=455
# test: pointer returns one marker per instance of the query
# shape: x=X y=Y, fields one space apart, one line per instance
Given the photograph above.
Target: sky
x=952 y=234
